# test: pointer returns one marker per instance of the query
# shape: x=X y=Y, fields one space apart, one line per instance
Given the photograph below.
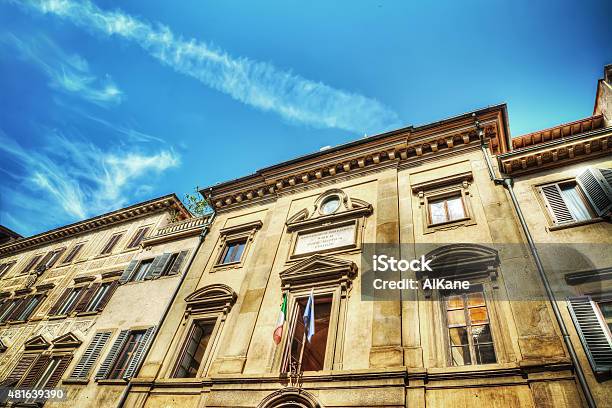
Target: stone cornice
x=557 y=152
x=167 y=202
x=369 y=154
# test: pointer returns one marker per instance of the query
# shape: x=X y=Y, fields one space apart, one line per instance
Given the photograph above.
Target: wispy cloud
x=76 y=178
x=258 y=84
x=68 y=73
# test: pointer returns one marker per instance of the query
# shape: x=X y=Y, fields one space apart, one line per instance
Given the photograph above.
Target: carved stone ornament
x=319 y=269
x=290 y=397
x=217 y=297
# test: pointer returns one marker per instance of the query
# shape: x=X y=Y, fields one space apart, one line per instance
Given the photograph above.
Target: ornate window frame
x=210 y=304
x=351 y=211
x=324 y=275
x=457 y=185
x=243 y=232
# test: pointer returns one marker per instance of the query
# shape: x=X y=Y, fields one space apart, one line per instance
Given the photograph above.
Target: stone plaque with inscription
x=324 y=240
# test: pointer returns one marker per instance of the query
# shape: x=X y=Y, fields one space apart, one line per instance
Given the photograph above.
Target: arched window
x=290 y=398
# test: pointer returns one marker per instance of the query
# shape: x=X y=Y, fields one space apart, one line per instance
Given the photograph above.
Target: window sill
x=575 y=224
x=118 y=381
x=58 y=317
x=81 y=381
x=448 y=225
x=93 y=312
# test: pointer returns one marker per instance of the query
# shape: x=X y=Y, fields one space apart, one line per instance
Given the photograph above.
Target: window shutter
x=73 y=253
x=178 y=263
x=59 y=371
x=597 y=186
x=20 y=369
x=85 y=297
x=60 y=301
x=556 y=206
x=34 y=374
x=107 y=295
x=55 y=257
x=141 y=349
x=112 y=355
x=22 y=304
x=42 y=265
x=90 y=356
x=593 y=333
x=31 y=264
x=128 y=271
x=159 y=265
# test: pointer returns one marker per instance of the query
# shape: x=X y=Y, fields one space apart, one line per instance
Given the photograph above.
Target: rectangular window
x=101 y=296
x=30 y=307
x=108 y=248
x=90 y=356
x=566 y=203
x=446 y=210
x=4 y=268
x=605 y=307
x=70 y=301
x=233 y=252
x=312 y=353
x=54 y=257
x=73 y=253
x=194 y=349
x=125 y=354
x=138 y=237
x=31 y=264
x=141 y=270
x=469 y=330
x=8 y=309
x=592 y=321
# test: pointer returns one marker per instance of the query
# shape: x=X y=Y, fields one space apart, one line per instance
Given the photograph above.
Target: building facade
x=81 y=304
x=300 y=229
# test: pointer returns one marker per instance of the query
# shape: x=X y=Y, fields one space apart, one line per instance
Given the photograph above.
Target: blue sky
x=104 y=104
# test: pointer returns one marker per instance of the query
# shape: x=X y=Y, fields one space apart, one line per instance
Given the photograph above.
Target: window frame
x=217 y=321
x=231 y=235
x=104 y=251
x=137 y=239
x=73 y=253
x=547 y=210
x=122 y=353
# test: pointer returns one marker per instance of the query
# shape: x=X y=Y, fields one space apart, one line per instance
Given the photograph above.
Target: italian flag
x=278 y=331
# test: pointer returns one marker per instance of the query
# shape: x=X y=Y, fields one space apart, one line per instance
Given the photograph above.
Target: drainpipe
x=205 y=229
x=508 y=183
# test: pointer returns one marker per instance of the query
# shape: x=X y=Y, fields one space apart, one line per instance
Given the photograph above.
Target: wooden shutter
x=31 y=264
x=593 y=332
x=42 y=265
x=90 y=356
x=128 y=271
x=556 y=205
x=85 y=297
x=159 y=265
x=106 y=365
x=73 y=253
x=60 y=302
x=34 y=374
x=65 y=360
x=22 y=304
x=138 y=237
x=56 y=256
x=141 y=350
x=20 y=369
x=178 y=263
x=596 y=185
x=104 y=301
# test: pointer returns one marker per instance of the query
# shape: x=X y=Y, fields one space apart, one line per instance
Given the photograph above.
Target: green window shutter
x=596 y=185
x=128 y=271
x=593 y=333
x=139 y=353
x=159 y=265
x=105 y=367
x=90 y=356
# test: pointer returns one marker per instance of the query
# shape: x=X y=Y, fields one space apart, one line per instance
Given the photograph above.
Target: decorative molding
x=290 y=397
x=319 y=269
x=594 y=275
x=68 y=340
x=250 y=226
x=84 y=278
x=216 y=297
x=45 y=287
x=455 y=179
x=558 y=132
x=37 y=343
x=177 y=230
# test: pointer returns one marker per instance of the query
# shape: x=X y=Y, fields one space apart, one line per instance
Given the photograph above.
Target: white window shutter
x=593 y=332
x=556 y=205
x=90 y=356
x=597 y=186
x=141 y=349
x=112 y=355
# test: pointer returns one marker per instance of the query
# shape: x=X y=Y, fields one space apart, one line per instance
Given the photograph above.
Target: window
x=141 y=270
x=605 y=307
x=108 y=248
x=101 y=296
x=55 y=256
x=469 y=331
x=566 y=203
x=69 y=304
x=30 y=306
x=33 y=261
x=330 y=205
x=312 y=353
x=233 y=252
x=4 y=268
x=73 y=253
x=194 y=349
x=19 y=309
x=446 y=210
x=138 y=237
x=7 y=308
x=90 y=356
x=166 y=264
x=125 y=354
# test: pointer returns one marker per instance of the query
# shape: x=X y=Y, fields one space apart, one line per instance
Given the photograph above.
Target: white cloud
x=77 y=178
x=258 y=84
x=68 y=73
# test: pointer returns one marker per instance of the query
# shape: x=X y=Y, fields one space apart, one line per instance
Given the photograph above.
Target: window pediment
x=68 y=340
x=332 y=205
x=319 y=268
x=465 y=260
x=212 y=297
x=37 y=343
x=290 y=397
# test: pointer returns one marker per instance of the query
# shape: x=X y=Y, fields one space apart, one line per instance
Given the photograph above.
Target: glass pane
x=437 y=212
x=456 y=317
x=575 y=203
x=478 y=315
x=454 y=302
x=455 y=208
x=475 y=299
x=482 y=334
x=606 y=311
x=461 y=355
x=485 y=354
x=458 y=336
x=314 y=351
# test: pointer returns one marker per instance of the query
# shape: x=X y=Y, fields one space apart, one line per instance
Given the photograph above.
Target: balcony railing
x=179 y=226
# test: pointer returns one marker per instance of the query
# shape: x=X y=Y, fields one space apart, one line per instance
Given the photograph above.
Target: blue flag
x=309 y=318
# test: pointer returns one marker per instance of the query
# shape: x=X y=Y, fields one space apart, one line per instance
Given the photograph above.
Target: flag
x=309 y=317
x=278 y=331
